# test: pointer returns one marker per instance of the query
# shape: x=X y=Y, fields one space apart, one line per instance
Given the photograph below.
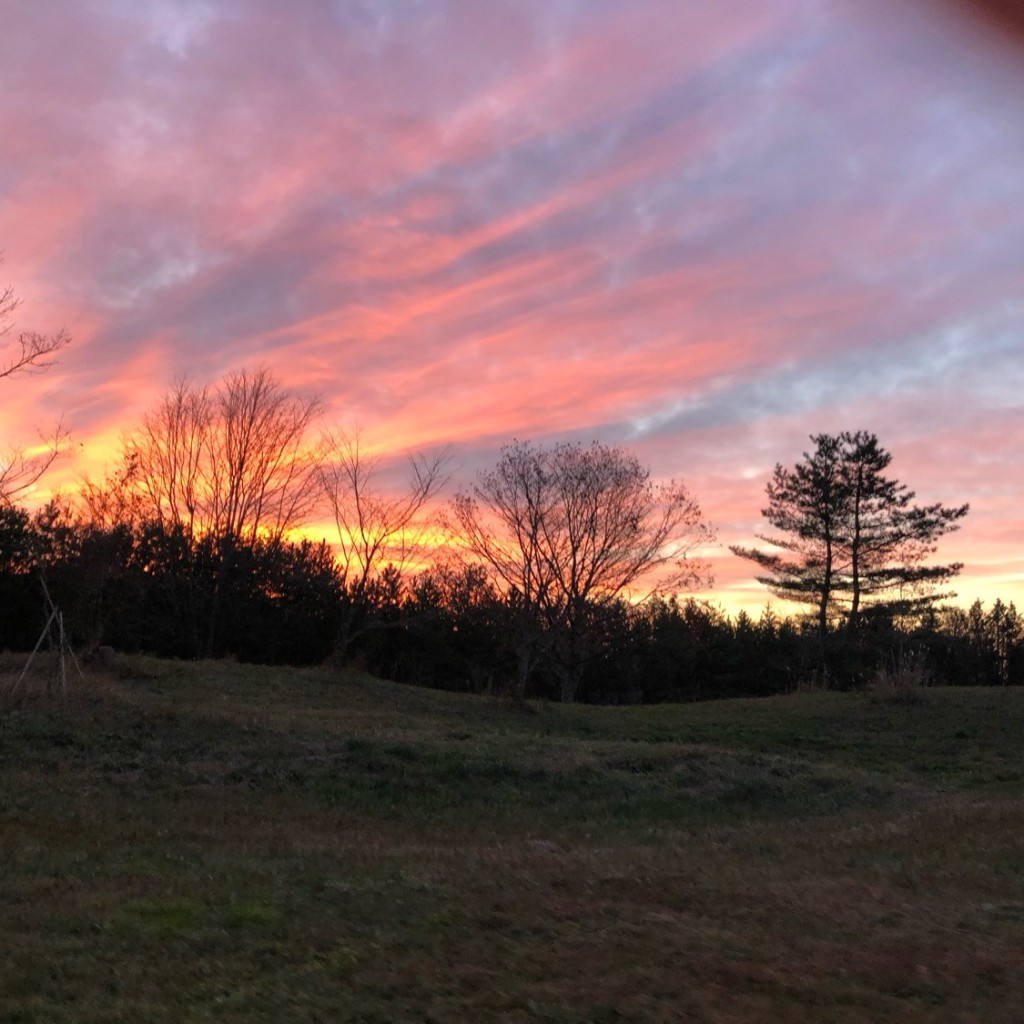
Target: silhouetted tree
x=979 y=648
x=376 y=528
x=231 y=463
x=19 y=592
x=850 y=536
x=500 y=521
x=227 y=466
x=87 y=564
x=566 y=531
x=1005 y=635
x=888 y=539
x=283 y=603
x=808 y=504
x=462 y=624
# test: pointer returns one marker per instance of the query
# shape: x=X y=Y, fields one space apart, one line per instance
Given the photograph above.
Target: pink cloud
x=704 y=231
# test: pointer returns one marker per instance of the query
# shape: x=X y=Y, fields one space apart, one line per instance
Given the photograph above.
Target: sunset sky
x=700 y=230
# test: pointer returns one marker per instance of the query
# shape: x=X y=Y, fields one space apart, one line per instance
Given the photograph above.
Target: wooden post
x=35 y=650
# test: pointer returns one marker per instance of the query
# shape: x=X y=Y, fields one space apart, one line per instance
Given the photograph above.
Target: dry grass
x=192 y=842
x=902 y=681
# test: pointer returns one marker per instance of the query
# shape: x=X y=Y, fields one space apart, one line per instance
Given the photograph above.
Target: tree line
x=558 y=575
x=145 y=587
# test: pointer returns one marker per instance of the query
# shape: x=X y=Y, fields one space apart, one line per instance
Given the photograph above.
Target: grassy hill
x=190 y=842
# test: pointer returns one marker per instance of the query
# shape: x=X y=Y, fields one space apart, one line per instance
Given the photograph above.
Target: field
x=189 y=842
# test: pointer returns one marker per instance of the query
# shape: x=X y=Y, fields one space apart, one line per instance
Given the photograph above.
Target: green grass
x=221 y=842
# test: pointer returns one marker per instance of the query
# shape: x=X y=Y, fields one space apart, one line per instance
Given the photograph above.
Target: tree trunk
x=571 y=679
x=219 y=596
x=826 y=593
x=523 y=674
x=851 y=621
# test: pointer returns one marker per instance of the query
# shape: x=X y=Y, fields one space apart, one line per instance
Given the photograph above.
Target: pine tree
x=888 y=538
x=807 y=505
x=851 y=536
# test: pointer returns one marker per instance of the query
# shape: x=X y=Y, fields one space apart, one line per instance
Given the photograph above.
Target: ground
x=188 y=842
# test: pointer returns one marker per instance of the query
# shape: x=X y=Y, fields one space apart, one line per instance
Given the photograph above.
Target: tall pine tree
x=850 y=536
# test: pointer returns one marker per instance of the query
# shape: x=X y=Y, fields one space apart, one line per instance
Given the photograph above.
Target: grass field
x=190 y=842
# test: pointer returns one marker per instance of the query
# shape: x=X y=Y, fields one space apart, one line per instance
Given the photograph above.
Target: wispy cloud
x=706 y=231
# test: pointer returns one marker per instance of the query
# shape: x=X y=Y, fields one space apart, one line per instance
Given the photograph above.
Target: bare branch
x=21 y=469
x=33 y=352
x=376 y=528
x=33 y=349
x=234 y=462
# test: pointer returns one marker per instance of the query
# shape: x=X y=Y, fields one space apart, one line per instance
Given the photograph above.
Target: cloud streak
x=706 y=231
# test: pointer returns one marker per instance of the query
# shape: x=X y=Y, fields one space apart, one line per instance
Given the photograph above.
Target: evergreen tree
x=850 y=536
x=887 y=538
x=807 y=505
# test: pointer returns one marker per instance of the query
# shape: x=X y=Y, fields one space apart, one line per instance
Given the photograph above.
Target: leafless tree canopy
x=569 y=529
x=574 y=523
x=501 y=522
x=612 y=527
x=29 y=352
x=374 y=527
x=232 y=462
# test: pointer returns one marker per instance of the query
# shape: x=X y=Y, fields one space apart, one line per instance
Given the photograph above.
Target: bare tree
x=262 y=470
x=165 y=458
x=234 y=462
x=376 y=528
x=568 y=531
x=613 y=529
x=227 y=466
x=501 y=524
x=110 y=504
x=21 y=469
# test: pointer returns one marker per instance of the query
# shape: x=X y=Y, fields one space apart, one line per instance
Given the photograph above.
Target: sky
x=701 y=231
